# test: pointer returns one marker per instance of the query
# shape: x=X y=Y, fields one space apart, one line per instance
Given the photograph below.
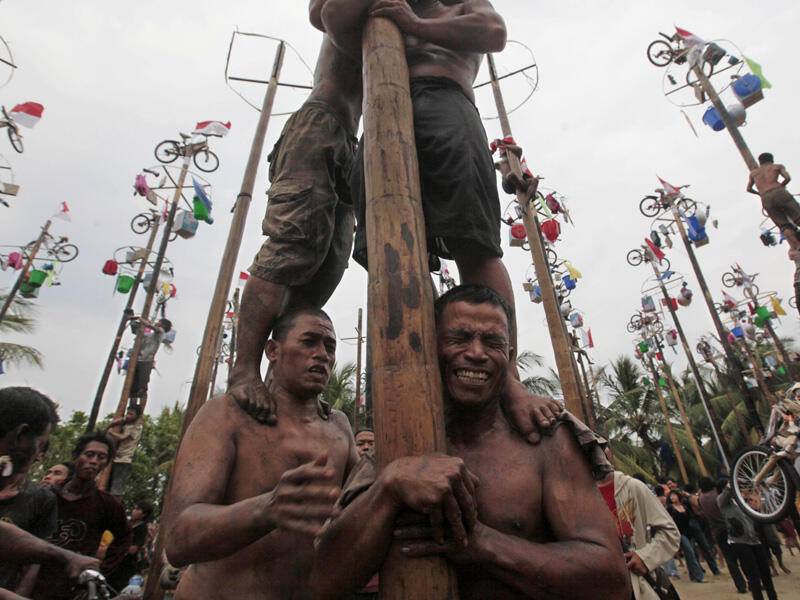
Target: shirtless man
x=309 y=220
x=778 y=203
x=248 y=498
x=523 y=520
x=445 y=43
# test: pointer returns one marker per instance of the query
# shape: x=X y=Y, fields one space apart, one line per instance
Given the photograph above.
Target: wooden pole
x=730 y=125
x=406 y=385
x=739 y=418
x=684 y=419
x=24 y=273
x=762 y=384
x=357 y=405
x=567 y=372
x=126 y=312
x=721 y=442
x=587 y=395
x=199 y=389
x=730 y=355
x=668 y=422
x=234 y=328
x=784 y=356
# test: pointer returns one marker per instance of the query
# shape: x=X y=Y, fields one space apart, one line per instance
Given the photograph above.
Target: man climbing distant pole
x=309 y=219
x=778 y=203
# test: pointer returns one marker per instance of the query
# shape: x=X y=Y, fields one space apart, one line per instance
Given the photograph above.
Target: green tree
x=542 y=385
x=20 y=318
x=340 y=392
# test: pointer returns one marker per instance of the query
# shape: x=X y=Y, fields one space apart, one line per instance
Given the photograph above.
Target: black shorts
x=456 y=171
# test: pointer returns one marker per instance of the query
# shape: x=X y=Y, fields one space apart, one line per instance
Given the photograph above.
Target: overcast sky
x=116 y=78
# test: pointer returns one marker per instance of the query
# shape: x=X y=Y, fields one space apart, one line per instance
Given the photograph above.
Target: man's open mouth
x=471 y=376
x=320 y=370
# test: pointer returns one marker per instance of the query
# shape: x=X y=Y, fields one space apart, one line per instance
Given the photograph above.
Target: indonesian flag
x=656 y=251
x=690 y=39
x=27 y=114
x=670 y=190
x=586 y=338
x=243 y=276
x=728 y=299
x=496 y=145
x=63 y=213
x=213 y=128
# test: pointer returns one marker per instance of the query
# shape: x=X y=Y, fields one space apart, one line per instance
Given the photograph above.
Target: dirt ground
x=721 y=587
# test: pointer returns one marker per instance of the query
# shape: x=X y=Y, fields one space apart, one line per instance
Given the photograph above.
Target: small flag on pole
x=728 y=299
x=243 y=276
x=756 y=69
x=656 y=251
x=213 y=128
x=776 y=306
x=63 y=213
x=27 y=114
x=670 y=190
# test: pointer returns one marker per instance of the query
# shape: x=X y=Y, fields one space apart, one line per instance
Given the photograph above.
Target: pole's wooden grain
x=405 y=382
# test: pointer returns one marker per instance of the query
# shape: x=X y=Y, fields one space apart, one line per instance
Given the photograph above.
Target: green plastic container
x=36 y=278
x=27 y=290
x=763 y=312
x=124 y=283
x=643 y=347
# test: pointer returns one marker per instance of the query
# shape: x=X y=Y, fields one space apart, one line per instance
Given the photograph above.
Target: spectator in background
x=131 y=563
x=707 y=501
x=56 y=475
x=127 y=439
x=84 y=513
x=681 y=516
x=752 y=555
x=26 y=420
x=365 y=441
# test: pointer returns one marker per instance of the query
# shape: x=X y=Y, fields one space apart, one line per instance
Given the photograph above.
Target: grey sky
x=116 y=78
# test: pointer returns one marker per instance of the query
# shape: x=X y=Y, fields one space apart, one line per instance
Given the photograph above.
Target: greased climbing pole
x=404 y=378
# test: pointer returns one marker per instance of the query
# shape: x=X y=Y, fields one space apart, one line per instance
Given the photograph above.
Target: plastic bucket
x=124 y=283
x=36 y=278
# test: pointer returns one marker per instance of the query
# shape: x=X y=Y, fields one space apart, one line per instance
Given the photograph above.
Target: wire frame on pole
x=7 y=66
x=517 y=64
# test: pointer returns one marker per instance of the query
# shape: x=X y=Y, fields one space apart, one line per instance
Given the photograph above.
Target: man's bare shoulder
x=339 y=419
x=220 y=414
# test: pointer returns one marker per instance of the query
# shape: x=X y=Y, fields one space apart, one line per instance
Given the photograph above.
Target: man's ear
x=22 y=430
x=271 y=349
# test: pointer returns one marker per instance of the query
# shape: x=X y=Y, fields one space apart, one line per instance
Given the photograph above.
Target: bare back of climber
x=778 y=203
x=309 y=220
x=445 y=41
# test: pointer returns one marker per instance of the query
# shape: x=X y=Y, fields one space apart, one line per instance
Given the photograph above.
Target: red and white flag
x=63 y=213
x=690 y=39
x=213 y=128
x=27 y=114
x=243 y=276
x=728 y=299
x=670 y=190
x=656 y=251
x=586 y=338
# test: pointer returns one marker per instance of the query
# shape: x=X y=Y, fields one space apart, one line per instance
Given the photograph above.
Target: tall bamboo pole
x=739 y=418
x=405 y=383
x=730 y=125
x=791 y=371
x=24 y=272
x=197 y=394
x=126 y=312
x=722 y=444
x=587 y=395
x=567 y=372
x=722 y=334
x=684 y=419
x=358 y=372
x=668 y=422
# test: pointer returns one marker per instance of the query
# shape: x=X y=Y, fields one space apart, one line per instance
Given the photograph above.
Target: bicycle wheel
x=66 y=252
x=687 y=206
x=657 y=327
x=635 y=258
x=793 y=301
x=659 y=53
x=631 y=328
x=206 y=161
x=751 y=292
x=650 y=206
x=771 y=498
x=551 y=256
x=691 y=78
x=141 y=223
x=15 y=138
x=664 y=264
x=167 y=151
x=728 y=279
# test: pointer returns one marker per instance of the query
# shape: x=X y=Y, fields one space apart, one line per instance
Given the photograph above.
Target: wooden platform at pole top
x=404 y=375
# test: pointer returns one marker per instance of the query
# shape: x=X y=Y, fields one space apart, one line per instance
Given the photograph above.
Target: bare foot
x=252 y=396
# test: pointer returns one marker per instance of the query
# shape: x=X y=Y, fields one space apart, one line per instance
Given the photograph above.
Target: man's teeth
x=471 y=375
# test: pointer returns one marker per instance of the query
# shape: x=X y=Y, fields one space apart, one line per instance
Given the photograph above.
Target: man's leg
x=747 y=559
x=721 y=537
x=692 y=564
x=261 y=305
x=761 y=553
